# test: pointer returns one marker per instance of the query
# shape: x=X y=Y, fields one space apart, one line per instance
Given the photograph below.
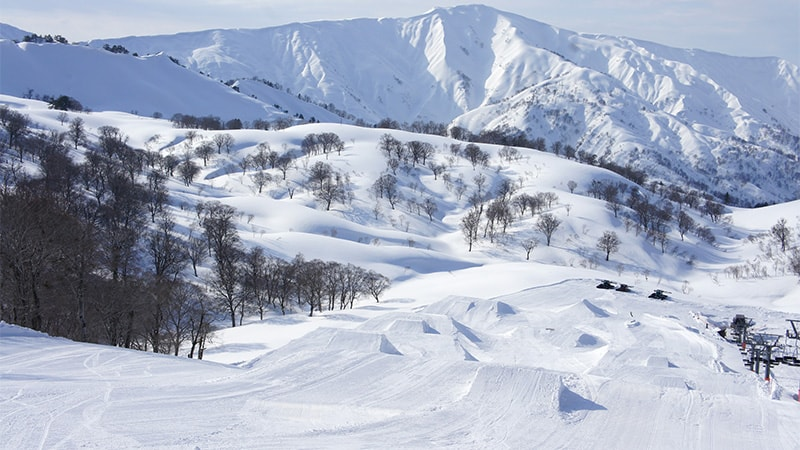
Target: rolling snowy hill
x=726 y=125
x=480 y=349
x=470 y=348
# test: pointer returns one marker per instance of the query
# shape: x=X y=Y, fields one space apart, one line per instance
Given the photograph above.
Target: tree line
x=90 y=249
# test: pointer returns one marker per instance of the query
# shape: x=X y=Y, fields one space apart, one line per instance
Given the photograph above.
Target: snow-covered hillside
x=559 y=365
x=467 y=349
x=147 y=85
x=725 y=124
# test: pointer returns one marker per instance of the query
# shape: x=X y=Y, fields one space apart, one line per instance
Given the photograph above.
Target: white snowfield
x=563 y=365
x=466 y=350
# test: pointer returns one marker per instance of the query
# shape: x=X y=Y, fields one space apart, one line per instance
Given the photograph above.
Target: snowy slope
x=104 y=81
x=480 y=349
x=12 y=33
x=556 y=366
x=724 y=124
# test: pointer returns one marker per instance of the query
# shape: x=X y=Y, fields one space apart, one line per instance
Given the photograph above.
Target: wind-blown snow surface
x=478 y=349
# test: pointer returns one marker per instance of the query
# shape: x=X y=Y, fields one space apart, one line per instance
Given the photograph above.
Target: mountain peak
x=678 y=114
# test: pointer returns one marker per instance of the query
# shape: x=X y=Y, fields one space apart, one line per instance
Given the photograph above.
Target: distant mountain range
x=727 y=125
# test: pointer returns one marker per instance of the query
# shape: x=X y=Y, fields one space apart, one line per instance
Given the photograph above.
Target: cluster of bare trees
x=75 y=259
x=655 y=213
x=499 y=213
x=90 y=250
x=328 y=185
x=325 y=143
x=250 y=281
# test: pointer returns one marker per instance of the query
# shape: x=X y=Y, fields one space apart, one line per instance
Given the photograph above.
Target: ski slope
x=553 y=366
x=467 y=350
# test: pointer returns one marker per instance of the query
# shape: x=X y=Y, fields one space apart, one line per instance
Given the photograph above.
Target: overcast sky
x=735 y=27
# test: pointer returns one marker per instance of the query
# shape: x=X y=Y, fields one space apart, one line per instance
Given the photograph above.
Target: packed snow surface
x=551 y=366
x=467 y=350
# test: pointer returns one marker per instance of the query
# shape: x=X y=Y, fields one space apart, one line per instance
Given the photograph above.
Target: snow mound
x=571 y=402
x=426 y=335
x=472 y=311
x=588 y=340
x=596 y=310
x=8 y=331
x=358 y=341
x=528 y=392
x=657 y=361
x=411 y=326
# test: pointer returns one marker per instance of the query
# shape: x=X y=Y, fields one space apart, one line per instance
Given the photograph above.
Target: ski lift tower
x=761 y=350
x=740 y=324
x=791 y=351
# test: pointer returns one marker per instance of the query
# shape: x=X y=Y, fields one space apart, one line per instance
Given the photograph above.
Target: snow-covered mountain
x=147 y=85
x=726 y=125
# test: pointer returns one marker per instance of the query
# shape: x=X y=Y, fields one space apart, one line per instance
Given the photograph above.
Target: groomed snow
x=468 y=350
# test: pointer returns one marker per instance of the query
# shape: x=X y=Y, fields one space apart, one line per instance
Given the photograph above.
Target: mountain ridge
x=727 y=125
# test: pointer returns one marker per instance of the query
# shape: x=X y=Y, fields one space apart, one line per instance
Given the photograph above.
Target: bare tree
x=529 y=245
x=245 y=163
x=167 y=250
x=224 y=140
x=436 y=169
x=201 y=317
x=332 y=189
x=16 y=125
x=255 y=281
x=391 y=147
x=319 y=173
x=470 y=225
x=429 y=206
x=309 y=283
x=188 y=170
x=419 y=151
x=794 y=261
x=685 y=223
x=310 y=144
x=284 y=163
x=261 y=159
x=224 y=242
x=386 y=187
x=782 y=233
x=375 y=284
x=714 y=210
x=189 y=138
x=330 y=142
x=205 y=151
x=571 y=185
x=261 y=179
x=547 y=224
x=77 y=132
x=475 y=155
x=609 y=242
x=197 y=249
